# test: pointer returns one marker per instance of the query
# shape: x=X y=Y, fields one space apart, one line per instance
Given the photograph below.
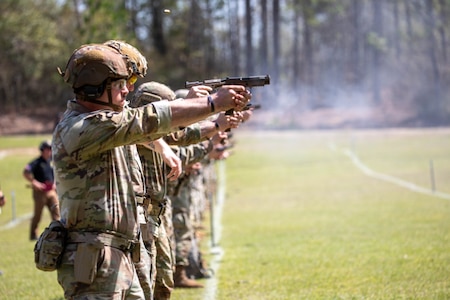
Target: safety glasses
x=132 y=80
x=119 y=84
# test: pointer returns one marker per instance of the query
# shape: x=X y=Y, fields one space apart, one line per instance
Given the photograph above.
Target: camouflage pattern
x=155 y=179
x=138 y=61
x=150 y=92
x=93 y=183
x=197 y=194
x=105 y=60
x=180 y=195
x=91 y=167
x=181 y=93
x=185 y=137
x=116 y=277
x=145 y=266
x=49 y=248
x=182 y=225
x=155 y=182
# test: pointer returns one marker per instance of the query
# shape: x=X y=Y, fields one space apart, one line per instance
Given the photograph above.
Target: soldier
x=98 y=206
x=144 y=267
x=39 y=173
x=156 y=180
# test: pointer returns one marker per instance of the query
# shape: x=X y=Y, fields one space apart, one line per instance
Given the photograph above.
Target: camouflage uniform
x=181 y=204
x=145 y=267
x=161 y=250
x=97 y=201
x=161 y=213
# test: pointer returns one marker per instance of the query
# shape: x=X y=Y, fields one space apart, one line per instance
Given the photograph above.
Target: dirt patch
x=324 y=118
x=16 y=151
x=37 y=123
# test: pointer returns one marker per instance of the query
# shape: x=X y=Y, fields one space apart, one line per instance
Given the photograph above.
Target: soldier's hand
x=199 y=91
x=227 y=121
x=231 y=96
x=174 y=163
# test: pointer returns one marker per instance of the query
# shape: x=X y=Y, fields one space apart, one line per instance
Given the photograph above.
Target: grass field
x=300 y=220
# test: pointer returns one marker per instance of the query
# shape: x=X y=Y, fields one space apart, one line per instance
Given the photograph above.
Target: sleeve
x=101 y=131
x=187 y=136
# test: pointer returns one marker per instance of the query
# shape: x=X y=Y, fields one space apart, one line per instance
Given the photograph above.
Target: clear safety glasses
x=119 y=84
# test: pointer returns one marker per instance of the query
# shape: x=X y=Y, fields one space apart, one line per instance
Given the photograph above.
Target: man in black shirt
x=39 y=173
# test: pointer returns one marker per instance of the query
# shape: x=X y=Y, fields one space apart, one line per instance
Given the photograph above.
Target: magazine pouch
x=49 y=248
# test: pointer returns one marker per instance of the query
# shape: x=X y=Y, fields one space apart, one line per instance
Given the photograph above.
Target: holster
x=86 y=259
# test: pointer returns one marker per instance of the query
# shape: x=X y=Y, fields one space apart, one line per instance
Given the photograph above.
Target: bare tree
x=442 y=26
x=234 y=35
x=264 y=45
x=376 y=49
x=248 y=37
x=430 y=26
x=157 y=26
x=396 y=35
x=296 y=46
x=276 y=42
x=356 y=43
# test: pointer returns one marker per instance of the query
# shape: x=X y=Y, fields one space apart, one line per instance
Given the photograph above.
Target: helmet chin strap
x=110 y=103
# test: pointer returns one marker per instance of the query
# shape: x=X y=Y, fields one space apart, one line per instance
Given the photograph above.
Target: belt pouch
x=86 y=259
x=136 y=253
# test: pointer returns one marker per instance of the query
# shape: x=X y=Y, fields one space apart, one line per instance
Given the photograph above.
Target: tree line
x=319 y=53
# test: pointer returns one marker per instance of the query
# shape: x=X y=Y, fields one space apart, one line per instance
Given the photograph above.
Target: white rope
x=15 y=222
x=408 y=185
x=212 y=283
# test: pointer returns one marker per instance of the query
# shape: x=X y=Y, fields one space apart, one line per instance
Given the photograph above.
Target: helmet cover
x=150 y=92
x=137 y=60
x=92 y=64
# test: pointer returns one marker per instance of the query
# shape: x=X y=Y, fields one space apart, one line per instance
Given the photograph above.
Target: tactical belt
x=107 y=239
x=142 y=200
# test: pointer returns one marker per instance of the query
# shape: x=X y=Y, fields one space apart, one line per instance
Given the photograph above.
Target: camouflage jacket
x=154 y=168
x=91 y=164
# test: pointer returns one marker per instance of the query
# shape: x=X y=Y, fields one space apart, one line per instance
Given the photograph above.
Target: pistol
x=252 y=106
x=250 y=81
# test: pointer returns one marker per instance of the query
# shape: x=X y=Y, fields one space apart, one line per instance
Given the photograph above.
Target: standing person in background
x=39 y=173
x=2 y=199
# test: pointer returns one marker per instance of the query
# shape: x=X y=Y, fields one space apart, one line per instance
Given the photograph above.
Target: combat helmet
x=91 y=69
x=150 y=92
x=181 y=93
x=137 y=60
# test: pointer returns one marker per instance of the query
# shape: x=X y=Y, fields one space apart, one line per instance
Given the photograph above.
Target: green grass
x=300 y=221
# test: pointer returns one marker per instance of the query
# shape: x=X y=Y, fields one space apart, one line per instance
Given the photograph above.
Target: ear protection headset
x=92 y=92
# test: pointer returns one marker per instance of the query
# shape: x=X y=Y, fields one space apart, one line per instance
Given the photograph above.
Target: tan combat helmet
x=150 y=92
x=91 y=69
x=181 y=93
x=137 y=60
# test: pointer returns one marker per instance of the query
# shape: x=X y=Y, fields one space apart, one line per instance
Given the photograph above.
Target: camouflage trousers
x=163 y=254
x=182 y=225
x=115 y=278
x=145 y=268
